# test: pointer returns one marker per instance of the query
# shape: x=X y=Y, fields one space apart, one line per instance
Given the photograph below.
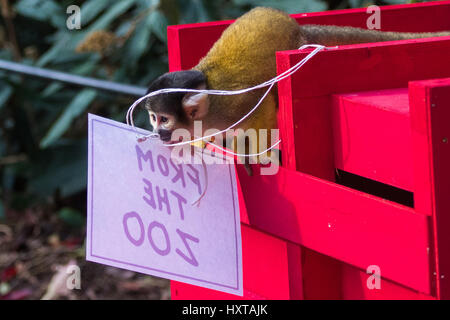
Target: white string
x=242 y=154
x=270 y=83
x=205 y=171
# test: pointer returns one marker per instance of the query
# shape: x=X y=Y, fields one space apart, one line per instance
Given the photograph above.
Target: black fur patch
x=171 y=102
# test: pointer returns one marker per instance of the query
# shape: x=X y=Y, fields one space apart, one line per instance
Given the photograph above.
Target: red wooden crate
x=355 y=109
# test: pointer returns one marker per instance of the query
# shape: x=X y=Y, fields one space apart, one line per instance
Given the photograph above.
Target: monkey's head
x=170 y=111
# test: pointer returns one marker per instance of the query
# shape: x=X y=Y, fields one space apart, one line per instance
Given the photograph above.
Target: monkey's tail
x=339 y=35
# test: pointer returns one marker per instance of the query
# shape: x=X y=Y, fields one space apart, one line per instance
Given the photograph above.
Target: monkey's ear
x=195 y=105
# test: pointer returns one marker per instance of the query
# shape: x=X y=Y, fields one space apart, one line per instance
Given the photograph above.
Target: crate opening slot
x=375 y=188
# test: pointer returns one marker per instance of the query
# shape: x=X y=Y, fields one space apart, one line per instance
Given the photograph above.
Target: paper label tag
x=140 y=215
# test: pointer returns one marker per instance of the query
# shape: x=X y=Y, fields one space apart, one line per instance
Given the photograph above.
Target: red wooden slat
x=372 y=136
x=307 y=134
x=294 y=252
x=430 y=117
x=354 y=287
x=418 y=17
x=363 y=67
x=174 y=46
x=322 y=276
x=310 y=150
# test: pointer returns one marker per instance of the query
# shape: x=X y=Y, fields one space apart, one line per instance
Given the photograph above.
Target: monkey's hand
x=249 y=169
x=202 y=143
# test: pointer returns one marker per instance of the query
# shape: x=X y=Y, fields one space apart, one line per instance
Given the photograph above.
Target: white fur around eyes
x=165 y=125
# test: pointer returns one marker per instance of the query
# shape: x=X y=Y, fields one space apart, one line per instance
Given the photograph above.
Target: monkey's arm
x=336 y=35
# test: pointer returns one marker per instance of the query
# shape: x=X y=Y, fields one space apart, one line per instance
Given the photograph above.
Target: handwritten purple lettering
x=163 y=199
x=159 y=251
x=127 y=216
x=179 y=173
x=191 y=259
x=181 y=200
x=146 y=157
x=149 y=191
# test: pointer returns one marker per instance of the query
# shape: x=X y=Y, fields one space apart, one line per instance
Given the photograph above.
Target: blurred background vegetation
x=43 y=125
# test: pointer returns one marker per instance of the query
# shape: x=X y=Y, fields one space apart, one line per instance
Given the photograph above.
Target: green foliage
x=72 y=217
x=290 y=6
x=42 y=10
x=43 y=125
x=76 y=107
x=2 y=210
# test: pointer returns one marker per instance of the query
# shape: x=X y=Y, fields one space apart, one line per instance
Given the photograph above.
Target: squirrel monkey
x=244 y=56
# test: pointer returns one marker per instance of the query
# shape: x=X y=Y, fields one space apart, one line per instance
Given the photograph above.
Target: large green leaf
x=62 y=46
x=85 y=68
x=112 y=13
x=402 y=1
x=72 y=217
x=158 y=23
x=138 y=43
x=73 y=110
x=2 y=210
x=62 y=168
x=193 y=11
x=41 y=10
x=289 y=6
x=357 y=3
x=5 y=92
x=90 y=9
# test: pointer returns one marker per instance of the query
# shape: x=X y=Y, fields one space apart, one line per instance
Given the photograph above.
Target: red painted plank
x=311 y=126
x=294 y=252
x=419 y=17
x=372 y=136
x=310 y=132
x=340 y=222
x=307 y=147
x=265 y=271
x=354 y=287
x=174 y=49
x=286 y=124
x=322 y=276
x=430 y=115
x=363 y=67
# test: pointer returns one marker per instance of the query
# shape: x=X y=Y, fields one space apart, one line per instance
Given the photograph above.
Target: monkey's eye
x=153 y=117
x=164 y=119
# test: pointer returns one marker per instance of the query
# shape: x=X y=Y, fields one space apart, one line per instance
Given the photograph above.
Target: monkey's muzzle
x=165 y=135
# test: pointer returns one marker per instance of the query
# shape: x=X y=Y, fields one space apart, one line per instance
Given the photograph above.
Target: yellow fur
x=243 y=57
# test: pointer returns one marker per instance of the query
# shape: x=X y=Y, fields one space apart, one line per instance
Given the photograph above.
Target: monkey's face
x=163 y=124
x=171 y=111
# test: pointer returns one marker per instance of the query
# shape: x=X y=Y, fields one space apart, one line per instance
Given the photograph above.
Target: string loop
x=270 y=83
